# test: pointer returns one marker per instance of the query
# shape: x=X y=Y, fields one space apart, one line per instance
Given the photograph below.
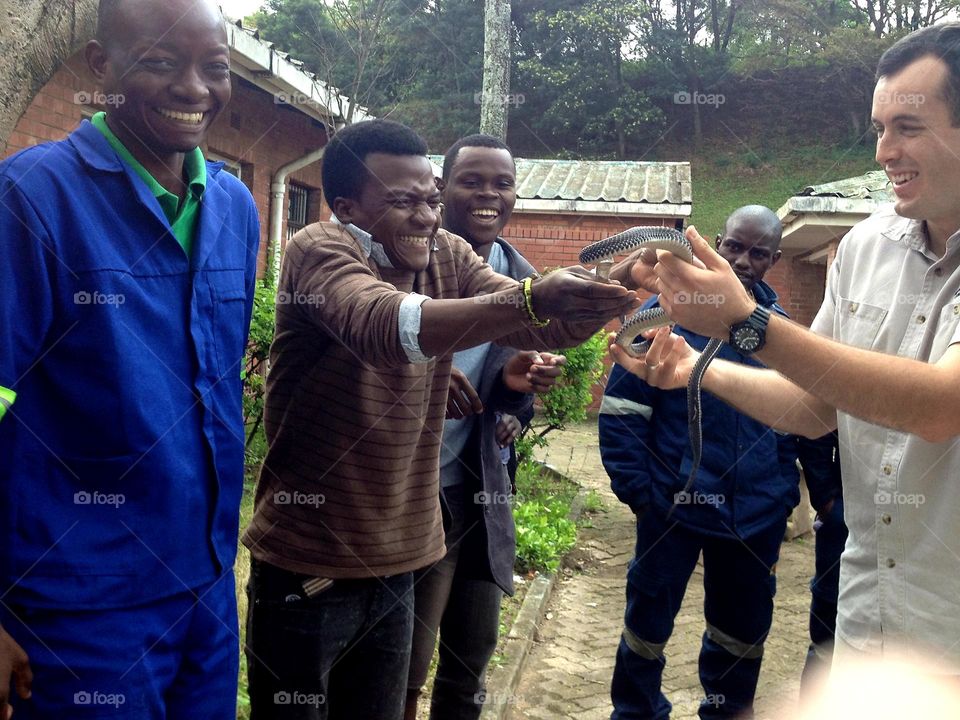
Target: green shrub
x=544 y=534
x=568 y=400
x=262 y=324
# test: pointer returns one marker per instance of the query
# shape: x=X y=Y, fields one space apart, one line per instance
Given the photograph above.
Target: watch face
x=746 y=339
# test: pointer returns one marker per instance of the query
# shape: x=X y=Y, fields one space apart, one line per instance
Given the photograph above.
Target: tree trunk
x=495 y=98
x=36 y=37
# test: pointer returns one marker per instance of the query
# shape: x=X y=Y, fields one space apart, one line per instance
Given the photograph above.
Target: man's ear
x=776 y=256
x=96 y=56
x=344 y=209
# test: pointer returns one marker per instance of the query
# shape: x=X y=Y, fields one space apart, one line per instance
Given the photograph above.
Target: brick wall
x=555 y=240
x=253 y=131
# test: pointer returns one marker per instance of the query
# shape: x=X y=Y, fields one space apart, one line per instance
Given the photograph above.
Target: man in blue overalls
x=735 y=513
x=127 y=265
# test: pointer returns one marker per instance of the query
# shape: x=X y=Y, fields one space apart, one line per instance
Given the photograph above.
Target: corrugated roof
x=636 y=182
x=873 y=185
x=600 y=180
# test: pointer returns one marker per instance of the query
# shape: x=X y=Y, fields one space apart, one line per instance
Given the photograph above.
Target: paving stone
x=567 y=674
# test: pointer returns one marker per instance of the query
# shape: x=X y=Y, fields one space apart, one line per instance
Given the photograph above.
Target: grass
x=727 y=177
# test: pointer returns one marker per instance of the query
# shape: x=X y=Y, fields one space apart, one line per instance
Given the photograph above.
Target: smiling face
x=170 y=64
x=399 y=205
x=918 y=145
x=750 y=248
x=480 y=194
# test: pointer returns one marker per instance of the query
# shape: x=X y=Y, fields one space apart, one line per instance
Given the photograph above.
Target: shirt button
x=956 y=309
x=891 y=563
x=854 y=307
x=886 y=519
x=887 y=470
x=921 y=319
x=938 y=272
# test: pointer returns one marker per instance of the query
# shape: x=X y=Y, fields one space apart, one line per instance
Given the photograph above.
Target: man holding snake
x=881 y=363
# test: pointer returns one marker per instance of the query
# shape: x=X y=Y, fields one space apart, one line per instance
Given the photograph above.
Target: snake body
x=602 y=254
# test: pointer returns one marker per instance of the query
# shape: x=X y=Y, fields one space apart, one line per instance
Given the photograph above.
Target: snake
x=602 y=254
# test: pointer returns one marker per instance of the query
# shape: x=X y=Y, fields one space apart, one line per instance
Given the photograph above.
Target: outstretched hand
x=574 y=294
x=533 y=372
x=705 y=297
x=666 y=365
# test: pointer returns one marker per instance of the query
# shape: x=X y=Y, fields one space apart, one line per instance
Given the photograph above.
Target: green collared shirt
x=7 y=396
x=182 y=216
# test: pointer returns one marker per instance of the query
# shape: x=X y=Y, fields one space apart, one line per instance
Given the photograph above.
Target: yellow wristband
x=528 y=303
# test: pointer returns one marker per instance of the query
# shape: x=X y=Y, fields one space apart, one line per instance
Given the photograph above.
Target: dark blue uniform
x=735 y=514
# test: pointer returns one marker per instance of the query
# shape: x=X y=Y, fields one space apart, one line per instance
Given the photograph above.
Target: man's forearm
x=450 y=325
x=770 y=398
x=894 y=392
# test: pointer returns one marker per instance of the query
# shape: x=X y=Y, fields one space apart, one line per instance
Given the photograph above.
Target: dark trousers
x=739 y=585
x=453 y=597
x=341 y=654
x=831 y=536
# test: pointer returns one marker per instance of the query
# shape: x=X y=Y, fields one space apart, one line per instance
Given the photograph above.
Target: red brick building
x=279 y=114
x=814 y=222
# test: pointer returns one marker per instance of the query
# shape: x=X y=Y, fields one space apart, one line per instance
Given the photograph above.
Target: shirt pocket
x=859 y=323
x=946 y=330
x=230 y=329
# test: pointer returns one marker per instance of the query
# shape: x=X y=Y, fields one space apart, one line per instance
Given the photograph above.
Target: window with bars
x=297 y=209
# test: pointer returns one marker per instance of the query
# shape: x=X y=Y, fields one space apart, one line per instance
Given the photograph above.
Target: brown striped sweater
x=349 y=487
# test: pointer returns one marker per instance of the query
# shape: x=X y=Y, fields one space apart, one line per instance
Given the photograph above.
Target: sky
x=239 y=8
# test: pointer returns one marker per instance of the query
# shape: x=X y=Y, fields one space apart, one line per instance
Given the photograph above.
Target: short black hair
x=939 y=41
x=763 y=218
x=106 y=11
x=480 y=140
x=344 y=171
x=106 y=15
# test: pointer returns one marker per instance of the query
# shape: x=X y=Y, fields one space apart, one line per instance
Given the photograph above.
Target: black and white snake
x=602 y=254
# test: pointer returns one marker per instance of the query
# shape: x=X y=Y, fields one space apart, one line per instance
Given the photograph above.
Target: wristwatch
x=749 y=336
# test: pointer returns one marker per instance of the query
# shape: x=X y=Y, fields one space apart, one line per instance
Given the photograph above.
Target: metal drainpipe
x=278 y=188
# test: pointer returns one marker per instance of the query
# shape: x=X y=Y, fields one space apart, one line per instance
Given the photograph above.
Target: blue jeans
x=824 y=589
x=453 y=596
x=175 y=658
x=343 y=653
x=739 y=585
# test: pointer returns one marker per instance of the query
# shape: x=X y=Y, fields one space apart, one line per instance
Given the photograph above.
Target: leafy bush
x=568 y=400
x=262 y=324
x=544 y=534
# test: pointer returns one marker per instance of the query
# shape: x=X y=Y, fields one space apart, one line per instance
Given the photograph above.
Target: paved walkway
x=567 y=674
